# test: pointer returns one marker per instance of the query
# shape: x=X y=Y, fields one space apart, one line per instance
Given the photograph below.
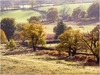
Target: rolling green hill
x=19 y=15
x=84 y=6
x=23 y=15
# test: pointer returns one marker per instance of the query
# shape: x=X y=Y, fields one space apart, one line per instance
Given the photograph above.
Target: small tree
x=70 y=41
x=8 y=26
x=2 y=36
x=11 y=44
x=52 y=15
x=33 y=19
x=36 y=34
x=93 y=10
x=60 y=28
x=91 y=42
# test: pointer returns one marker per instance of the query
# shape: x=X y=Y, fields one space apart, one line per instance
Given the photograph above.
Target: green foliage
x=11 y=45
x=2 y=36
x=93 y=10
x=52 y=14
x=60 y=28
x=8 y=26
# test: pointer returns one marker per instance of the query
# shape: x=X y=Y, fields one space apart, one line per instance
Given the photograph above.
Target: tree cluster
x=71 y=41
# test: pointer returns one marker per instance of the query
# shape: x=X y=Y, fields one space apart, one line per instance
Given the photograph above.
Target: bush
x=11 y=45
x=3 y=38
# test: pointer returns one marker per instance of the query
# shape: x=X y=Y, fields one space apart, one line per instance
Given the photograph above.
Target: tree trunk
x=74 y=52
x=69 y=52
x=34 y=48
x=33 y=44
x=97 y=59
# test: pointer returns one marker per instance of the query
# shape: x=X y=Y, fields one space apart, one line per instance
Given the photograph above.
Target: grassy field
x=83 y=28
x=23 y=15
x=32 y=64
x=19 y=15
x=85 y=6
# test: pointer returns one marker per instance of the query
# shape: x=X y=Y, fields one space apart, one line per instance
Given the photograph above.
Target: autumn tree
x=8 y=26
x=93 y=10
x=70 y=41
x=60 y=28
x=52 y=14
x=2 y=36
x=91 y=41
x=35 y=33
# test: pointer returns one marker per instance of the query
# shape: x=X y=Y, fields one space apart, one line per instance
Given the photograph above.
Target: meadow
x=83 y=28
x=84 y=6
x=23 y=15
x=33 y=64
x=19 y=15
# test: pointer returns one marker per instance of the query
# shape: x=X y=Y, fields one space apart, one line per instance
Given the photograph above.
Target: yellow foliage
x=35 y=33
x=2 y=36
x=11 y=44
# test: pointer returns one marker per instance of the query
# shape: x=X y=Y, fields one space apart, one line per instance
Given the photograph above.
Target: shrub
x=3 y=38
x=11 y=44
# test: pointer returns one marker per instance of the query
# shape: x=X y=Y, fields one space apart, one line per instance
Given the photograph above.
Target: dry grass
x=51 y=52
x=32 y=64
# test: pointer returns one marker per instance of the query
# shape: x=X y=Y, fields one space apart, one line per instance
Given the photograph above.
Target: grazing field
x=83 y=28
x=33 y=64
x=19 y=15
x=85 y=6
x=23 y=15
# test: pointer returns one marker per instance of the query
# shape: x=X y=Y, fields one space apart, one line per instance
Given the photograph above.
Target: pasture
x=23 y=15
x=33 y=64
x=19 y=15
x=83 y=28
x=84 y=6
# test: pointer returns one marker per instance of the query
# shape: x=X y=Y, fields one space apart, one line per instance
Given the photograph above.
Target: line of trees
x=78 y=14
x=73 y=40
x=28 y=31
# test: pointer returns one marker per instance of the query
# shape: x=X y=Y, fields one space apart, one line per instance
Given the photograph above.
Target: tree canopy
x=60 y=28
x=35 y=33
x=8 y=26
